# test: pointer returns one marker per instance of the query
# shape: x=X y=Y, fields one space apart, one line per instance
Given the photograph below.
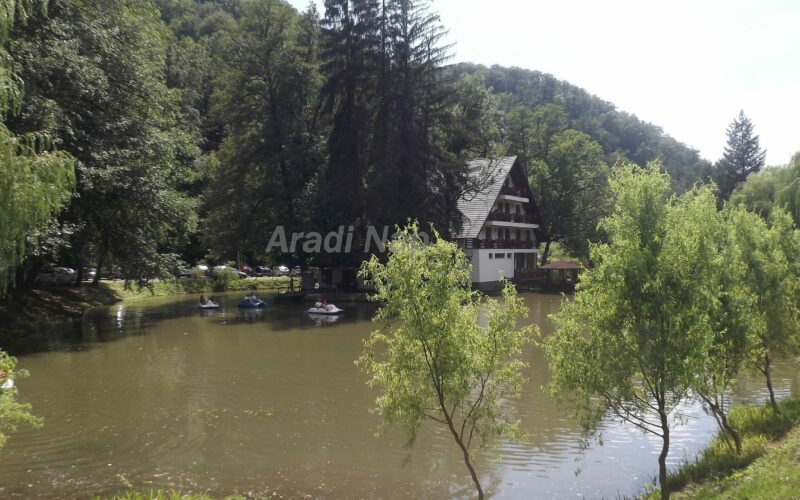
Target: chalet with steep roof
x=501 y=227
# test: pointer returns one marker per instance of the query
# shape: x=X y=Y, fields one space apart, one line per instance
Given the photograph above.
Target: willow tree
x=734 y=322
x=431 y=358
x=34 y=182
x=638 y=330
x=12 y=412
x=771 y=254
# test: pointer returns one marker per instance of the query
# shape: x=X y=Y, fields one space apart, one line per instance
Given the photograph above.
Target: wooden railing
x=475 y=243
x=515 y=191
x=509 y=217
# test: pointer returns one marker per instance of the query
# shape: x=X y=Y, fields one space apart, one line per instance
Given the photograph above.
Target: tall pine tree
x=743 y=156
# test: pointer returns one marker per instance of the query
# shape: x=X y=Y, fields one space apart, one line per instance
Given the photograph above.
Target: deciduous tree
x=637 y=332
x=35 y=182
x=431 y=358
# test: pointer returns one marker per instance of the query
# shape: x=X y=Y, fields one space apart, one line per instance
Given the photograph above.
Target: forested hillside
x=620 y=134
x=197 y=126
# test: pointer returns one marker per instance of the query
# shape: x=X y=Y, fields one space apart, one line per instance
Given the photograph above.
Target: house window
x=508 y=255
x=499 y=256
x=491 y=256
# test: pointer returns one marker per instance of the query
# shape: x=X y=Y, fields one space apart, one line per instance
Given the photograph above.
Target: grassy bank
x=775 y=475
x=198 y=286
x=768 y=441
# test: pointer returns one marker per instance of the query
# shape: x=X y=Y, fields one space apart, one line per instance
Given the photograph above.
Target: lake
x=158 y=394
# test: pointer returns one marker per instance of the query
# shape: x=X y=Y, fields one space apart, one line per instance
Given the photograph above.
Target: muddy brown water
x=161 y=395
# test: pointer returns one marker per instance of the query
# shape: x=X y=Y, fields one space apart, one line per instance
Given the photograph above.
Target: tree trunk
x=33 y=273
x=546 y=253
x=769 y=385
x=722 y=419
x=100 y=262
x=461 y=445
x=662 y=457
x=731 y=431
x=467 y=460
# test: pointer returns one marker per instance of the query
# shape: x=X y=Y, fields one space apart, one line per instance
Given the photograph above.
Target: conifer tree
x=743 y=156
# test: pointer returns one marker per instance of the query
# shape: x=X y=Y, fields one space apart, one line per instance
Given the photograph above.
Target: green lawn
x=764 y=435
x=776 y=475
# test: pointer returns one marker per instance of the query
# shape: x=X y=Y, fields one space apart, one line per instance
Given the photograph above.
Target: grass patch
x=198 y=286
x=760 y=428
x=773 y=476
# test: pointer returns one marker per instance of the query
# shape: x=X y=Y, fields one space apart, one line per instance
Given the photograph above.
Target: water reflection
x=270 y=401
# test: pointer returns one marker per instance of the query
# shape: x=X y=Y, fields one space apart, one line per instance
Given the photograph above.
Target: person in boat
x=212 y=300
x=203 y=300
x=252 y=298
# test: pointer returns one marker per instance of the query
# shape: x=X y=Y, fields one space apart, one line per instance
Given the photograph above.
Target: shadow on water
x=101 y=325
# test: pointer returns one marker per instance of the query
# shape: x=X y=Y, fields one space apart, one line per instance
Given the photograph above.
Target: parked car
x=56 y=276
x=89 y=273
x=263 y=271
x=247 y=270
x=234 y=272
x=183 y=272
x=281 y=271
x=202 y=268
x=295 y=271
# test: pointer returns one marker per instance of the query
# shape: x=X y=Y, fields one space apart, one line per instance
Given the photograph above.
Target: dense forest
x=197 y=126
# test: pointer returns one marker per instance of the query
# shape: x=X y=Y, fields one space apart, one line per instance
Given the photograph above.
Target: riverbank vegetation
x=683 y=297
x=766 y=467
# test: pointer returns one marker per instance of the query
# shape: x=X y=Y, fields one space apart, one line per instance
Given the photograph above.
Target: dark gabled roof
x=475 y=207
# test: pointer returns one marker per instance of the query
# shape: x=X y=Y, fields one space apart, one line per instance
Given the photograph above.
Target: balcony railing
x=515 y=191
x=509 y=217
x=475 y=243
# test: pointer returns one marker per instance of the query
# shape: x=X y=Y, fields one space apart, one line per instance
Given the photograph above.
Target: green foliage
x=570 y=180
x=743 y=156
x=623 y=137
x=636 y=334
x=431 y=358
x=788 y=196
x=770 y=252
x=197 y=286
x=12 y=412
x=267 y=98
x=97 y=86
x=774 y=187
x=34 y=181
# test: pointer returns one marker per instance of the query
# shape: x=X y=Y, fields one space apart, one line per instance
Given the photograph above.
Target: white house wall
x=487 y=270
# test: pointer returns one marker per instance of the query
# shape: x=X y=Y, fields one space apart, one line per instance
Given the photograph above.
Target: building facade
x=501 y=223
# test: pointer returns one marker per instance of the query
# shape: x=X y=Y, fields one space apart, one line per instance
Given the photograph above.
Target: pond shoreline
x=58 y=307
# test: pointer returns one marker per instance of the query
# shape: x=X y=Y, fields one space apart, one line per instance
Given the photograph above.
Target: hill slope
x=621 y=135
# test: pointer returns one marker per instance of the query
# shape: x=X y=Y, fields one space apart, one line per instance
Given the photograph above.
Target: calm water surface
x=160 y=394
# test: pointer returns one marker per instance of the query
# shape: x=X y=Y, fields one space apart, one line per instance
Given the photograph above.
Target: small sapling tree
x=431 y=358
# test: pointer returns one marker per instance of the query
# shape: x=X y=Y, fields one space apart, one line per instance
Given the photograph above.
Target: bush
x=222 y=278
